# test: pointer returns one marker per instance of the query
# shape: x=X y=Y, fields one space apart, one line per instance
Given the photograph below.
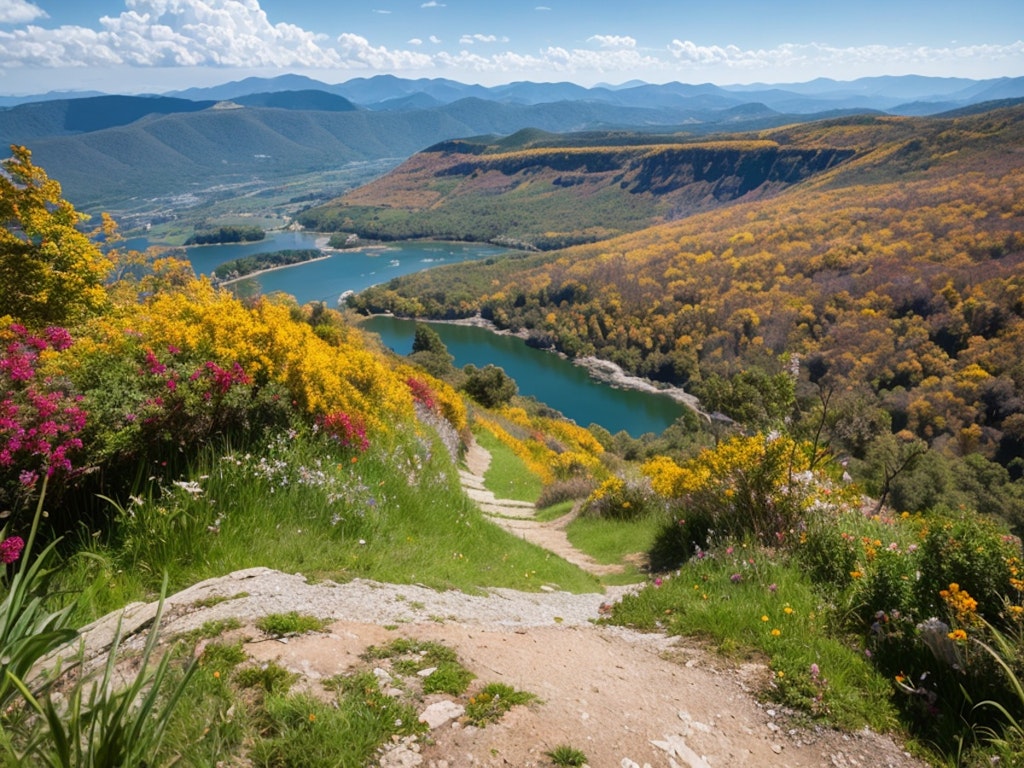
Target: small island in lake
x=227 y=235
x=261 y=262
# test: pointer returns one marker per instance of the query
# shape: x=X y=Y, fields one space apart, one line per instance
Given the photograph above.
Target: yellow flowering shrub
x=745 y=485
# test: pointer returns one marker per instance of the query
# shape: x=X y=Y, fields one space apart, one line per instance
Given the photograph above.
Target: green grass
x=301 y=507
x=555 y=511
x=749 y=602
x=610 y=541
x=493 y=701
x=410 y=657
x=566 y=755
x=291 y=623
x=508 y=477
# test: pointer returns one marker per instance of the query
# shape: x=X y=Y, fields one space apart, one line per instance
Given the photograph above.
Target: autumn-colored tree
x=51 y=273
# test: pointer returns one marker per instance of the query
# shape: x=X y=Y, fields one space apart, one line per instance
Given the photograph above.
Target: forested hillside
x=542 y=191
x=892 y=283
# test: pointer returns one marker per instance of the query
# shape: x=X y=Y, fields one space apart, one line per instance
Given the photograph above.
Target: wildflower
x=957 y=635
x=855 y=574
x=765 y=618
x=773 y=588
x=312 y=717
x=815 y=671
x=658 y=582
x=736 y=578
x=787 y=610
x=216 y=675
x=28 y=478
x=11 y=549
x=776 y=632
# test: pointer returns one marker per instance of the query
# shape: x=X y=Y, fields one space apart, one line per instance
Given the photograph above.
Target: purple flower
x=736 y=578
x=10 y=549
x=28 y=478
x=772 y=588
x=815 y=671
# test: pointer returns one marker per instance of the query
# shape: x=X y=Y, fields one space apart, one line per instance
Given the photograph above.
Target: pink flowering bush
x=156 y=405
x=347 y=430
x=41 y=421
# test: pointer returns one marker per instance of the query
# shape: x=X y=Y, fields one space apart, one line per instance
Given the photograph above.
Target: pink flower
x=10 y=549
x=658 y=582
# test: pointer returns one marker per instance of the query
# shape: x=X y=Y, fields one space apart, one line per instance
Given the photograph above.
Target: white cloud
x=613 y=41
x=471 y=39
x=381 y=10
x=791 y=55
x=356 y=51
x=20 y=12
x=168 y=34
x=542 y=8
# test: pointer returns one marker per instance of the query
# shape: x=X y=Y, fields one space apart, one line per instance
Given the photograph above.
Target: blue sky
x=139 y=46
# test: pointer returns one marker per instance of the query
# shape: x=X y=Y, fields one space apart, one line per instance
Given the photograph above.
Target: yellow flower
x=787 y=610
x=855 y=574
x=764 y=618
x=776 y=632
x=958 y=635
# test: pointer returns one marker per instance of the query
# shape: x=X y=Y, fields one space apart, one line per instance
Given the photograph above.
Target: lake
x=551 y=379
x=325 y=280
x=544 y=375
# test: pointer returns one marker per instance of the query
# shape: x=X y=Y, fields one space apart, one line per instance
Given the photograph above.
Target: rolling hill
x=108 y=150
x=892 y=279
x=544 y=191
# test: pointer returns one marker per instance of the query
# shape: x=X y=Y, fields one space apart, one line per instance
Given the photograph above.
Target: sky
x=155 y=46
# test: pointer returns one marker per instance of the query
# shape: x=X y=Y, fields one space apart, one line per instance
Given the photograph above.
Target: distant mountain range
x=109 y=148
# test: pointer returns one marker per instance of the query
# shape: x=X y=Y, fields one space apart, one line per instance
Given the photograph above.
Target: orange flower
x=958 y=635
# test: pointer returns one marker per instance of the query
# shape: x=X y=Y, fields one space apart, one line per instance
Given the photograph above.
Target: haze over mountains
x=106 y=149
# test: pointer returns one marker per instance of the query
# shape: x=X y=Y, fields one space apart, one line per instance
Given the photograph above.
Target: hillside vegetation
x=892 y=280
x=541 y=191
x=155 y=431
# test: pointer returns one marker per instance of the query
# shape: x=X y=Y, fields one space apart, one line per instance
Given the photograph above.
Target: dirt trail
x=517 y=517
x=626 y=699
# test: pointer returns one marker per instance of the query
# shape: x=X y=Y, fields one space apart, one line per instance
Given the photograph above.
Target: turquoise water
x=326 y=279
x=551 y=379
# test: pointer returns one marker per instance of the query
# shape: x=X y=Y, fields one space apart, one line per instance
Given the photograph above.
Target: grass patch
x=566 y=755
x=291 y=623
x=555 y=511
x=609 y=540
x=748 y=601
x=211 y=629
x=493 y=701
x=271 y=678
x=410 y=657
x=508 y=477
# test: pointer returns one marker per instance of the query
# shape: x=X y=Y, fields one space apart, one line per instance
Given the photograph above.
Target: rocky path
x=626 y=699
x=517 y=517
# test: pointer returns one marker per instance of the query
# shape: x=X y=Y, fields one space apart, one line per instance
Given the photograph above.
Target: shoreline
x=600 y=370
x=258 y=272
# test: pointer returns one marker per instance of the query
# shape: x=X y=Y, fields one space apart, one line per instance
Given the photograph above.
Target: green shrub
x=968 y=550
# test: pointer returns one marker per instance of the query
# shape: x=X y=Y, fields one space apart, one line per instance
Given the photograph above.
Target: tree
x=50 y=272
x=430 y=353
x=490 y=386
